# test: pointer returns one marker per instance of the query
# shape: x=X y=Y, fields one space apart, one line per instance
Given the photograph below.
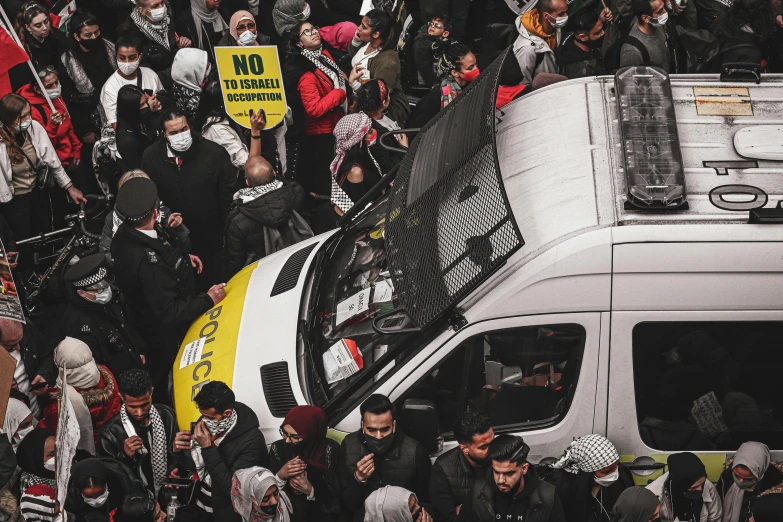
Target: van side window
x=523 y=378
x=708 y=385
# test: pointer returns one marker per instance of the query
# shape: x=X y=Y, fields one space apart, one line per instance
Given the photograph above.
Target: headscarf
x=38 y=503
x=310 y=423
x=589 y=454
x=87 y=469
x=286 y=14
x=339 y=35
x=349 y=131
x=190 y=67
x=30 y=455
x=203 y=15
x=768 y=508
x=248 y=488
x=635 y=504
x=684 y=469
x=754 y=456
x=388 y=504
x=234 y=22
x=75 y=359
x=15 y=413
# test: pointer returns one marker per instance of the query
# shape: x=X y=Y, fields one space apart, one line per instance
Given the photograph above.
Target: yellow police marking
x=723 y=101
x=251 y=79
x=220 y=327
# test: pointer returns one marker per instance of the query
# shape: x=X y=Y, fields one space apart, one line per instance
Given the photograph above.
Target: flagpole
x=15 y=37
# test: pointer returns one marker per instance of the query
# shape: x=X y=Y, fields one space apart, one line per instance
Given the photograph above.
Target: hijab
x=190 y=68
x=754 y=456
x=768 y=508
x=234 y=22
x=636 y=504
x=74 y=358
x=82 y=473
x=685 y=469
x=15 y=413
x=203 y=15
x=388 y=504
x=310 y=423
x=349 y=131
x=248 y=488
x=589 y=454
x=286 y=14
x=30 y=453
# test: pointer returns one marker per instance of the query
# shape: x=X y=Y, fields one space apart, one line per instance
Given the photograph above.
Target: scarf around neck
x=157 y=32
x=449 y=89
x=754 y=456
x=531 y=21
x=202 y=15
x=248 y=194
x=198 y=459
x=158 y=444
x=324 y=63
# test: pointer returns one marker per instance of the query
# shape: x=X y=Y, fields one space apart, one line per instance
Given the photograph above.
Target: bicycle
x=81 y=241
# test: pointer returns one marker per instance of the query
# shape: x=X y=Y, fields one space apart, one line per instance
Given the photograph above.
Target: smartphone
x=193 y=427
x=12 y=257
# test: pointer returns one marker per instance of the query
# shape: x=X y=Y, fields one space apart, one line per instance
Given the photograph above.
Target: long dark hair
x=369 y=97
x=451 y=60
x=211 y=106
x=128 y=98
x=381 y=22
x=76 y=23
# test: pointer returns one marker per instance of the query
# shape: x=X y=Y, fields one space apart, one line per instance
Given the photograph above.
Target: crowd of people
x=137 y=113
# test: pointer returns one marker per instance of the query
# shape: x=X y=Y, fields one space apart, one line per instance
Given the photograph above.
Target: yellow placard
x=251 y=79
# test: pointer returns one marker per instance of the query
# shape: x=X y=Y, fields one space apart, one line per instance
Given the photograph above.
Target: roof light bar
x=651 y=148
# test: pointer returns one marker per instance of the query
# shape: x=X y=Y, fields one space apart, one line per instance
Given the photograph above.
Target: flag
x=11 y=55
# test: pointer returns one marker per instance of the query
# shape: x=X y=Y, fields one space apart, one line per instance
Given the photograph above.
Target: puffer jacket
x=450 y=485
x=711 y=511
x=314 y=96
x=245 y=237
x=539 y=497
x=63 y=137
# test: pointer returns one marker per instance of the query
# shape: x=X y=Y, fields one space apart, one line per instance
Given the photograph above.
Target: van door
x=535 y=376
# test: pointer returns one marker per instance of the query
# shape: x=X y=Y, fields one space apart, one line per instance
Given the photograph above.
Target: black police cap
x=136 y=200
x=87 y=271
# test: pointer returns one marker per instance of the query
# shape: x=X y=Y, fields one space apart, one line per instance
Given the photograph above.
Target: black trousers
x=28 y=214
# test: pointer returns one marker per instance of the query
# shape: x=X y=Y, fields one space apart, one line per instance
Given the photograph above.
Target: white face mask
x=607 y=480
x=181 y=142
x=157 y=15
x=128 y=68
x=246 y=38
x=660 y=21
x=24 y=125
x=559 y=21
x=103 y=296
x=97 y=502
x=54 y=93
x=23 y=433
x=306 y=13
x=49 y=464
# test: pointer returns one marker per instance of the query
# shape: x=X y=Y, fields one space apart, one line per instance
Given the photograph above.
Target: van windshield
x=355 y=287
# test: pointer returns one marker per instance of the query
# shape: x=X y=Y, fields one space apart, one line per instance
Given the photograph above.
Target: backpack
x=612 y=56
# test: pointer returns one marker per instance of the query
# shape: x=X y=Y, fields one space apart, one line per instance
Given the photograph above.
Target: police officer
x=96 y=315
x=156 y=278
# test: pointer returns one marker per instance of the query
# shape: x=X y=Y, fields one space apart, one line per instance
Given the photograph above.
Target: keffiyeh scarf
x=246 y=195
x=327 y=66
x=156 y=32
x=198 y=459
x=348 y=132
x=159 y=463
x=449 y=89
x=589 y=454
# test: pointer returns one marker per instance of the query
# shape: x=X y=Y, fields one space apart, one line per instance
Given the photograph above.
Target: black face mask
x=379 y=446
x=595 y=44
x=692 y=496
x=93 y=44
x=269 y=510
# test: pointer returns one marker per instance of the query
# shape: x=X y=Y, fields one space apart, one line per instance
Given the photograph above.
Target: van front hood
x=247 y=330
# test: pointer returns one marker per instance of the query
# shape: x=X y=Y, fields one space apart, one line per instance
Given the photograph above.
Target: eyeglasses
x=290 y=437
x=310 y=32
x=45 y=72
x=248 y=26
x=436 y=25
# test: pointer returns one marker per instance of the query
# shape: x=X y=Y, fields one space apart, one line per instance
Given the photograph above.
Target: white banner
x=68 y=435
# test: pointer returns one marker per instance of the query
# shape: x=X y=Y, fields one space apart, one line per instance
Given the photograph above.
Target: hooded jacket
x=533 y=52
x=187 y=74
x=573 y=62
x=540 y=498
x=63 y=137
x=711 y=511
x=251 y=223
x=312 y=97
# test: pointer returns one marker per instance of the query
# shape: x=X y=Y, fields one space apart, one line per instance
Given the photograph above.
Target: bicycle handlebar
x=44 y=237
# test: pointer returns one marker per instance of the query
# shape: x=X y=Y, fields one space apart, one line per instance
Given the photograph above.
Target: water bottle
x=171 y=509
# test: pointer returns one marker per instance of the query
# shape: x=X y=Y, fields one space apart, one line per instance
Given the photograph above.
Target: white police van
x=603 y=255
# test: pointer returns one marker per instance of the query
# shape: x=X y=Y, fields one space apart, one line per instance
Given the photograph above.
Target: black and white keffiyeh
x=248 y=194
x=589 y=454
x=326 y=65
x=156 y=32
x=158 y=444
x=28 y=480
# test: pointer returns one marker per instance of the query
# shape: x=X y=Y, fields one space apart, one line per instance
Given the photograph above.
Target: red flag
x=11 y=55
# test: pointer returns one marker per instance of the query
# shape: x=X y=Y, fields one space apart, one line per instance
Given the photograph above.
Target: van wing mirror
x=420 y=418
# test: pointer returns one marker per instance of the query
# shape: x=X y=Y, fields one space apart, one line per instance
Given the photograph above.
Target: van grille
x=289 y=274
x=277 y=388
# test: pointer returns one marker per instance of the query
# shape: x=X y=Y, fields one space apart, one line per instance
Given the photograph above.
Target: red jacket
x=322 y=102
x=104 y=402
x=62 y=136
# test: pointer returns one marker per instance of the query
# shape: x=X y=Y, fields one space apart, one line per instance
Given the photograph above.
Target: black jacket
x=539 y=499
x=7 y=460
x=574 y=62
x=578 y=503
x=120 y=483
x=451 y=483
x=106 y=330
x=406 y=465
x=111 y=444
x=200 y=189
x=37 y=352
x=326 y=485
x=244 y=447
x=156 y=56
x=773 y=478
x=425 y=54
x=247 y=221
x=158 y=283
x=427 y=108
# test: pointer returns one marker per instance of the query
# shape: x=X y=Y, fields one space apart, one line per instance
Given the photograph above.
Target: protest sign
x=68 y=435
x=251 y=80
x=10 y=306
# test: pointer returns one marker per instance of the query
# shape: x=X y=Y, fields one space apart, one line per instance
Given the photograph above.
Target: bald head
x=11 y=333
x=258 y=171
